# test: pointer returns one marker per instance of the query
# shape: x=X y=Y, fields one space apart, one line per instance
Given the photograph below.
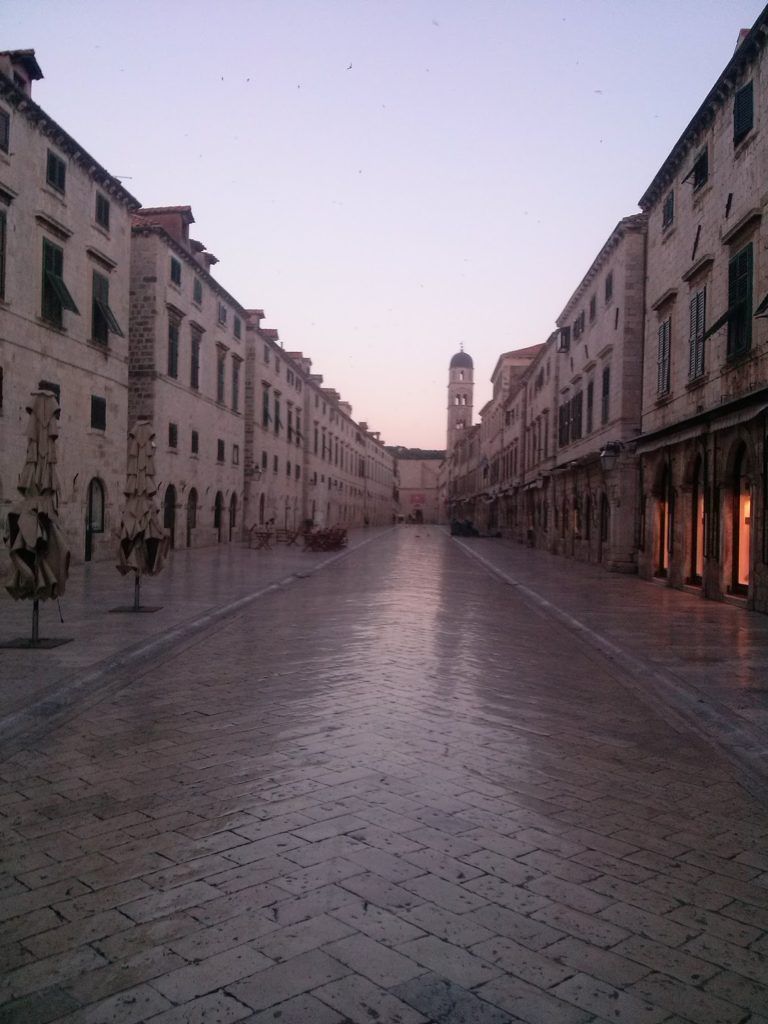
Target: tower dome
x=462 y=359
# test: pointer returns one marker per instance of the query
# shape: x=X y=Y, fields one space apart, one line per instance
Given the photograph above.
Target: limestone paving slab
x=428 y=801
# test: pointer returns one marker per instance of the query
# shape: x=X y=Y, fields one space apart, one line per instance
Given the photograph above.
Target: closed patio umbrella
x=143 y=544
x=38 y=550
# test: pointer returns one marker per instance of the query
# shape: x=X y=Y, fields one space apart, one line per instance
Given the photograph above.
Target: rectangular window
x=606 y=396
x=56 y=172
x=590 y=405
x=235 y=454
x=564 y=424
x=173 y=435
x=175 y=271
x=238 y=327
x=265 y=414
x=102 y=211
x=740 y=302
x=98 y=413
x=3 y=237
x=220 y=450
x=288 y=468
x=56 y=297
x=264 y=460
x=275 y=464
x=609 y=287
x=576 y=416
x=222 y=313
x=266 y=355
x=173 y=348
x=699 y=173
x=743 y=113
x=298 y=428
x=593 y=307
x=220 y=375
x=197 y=291
x=103 y=320
x=668 y=210
x=290 y=424
x=194 y=359
x=696 y=340
x=315 y=445
x=235 y=385
x=278 y=422
x=663 y=358
x=5 y=130
x=195 y=443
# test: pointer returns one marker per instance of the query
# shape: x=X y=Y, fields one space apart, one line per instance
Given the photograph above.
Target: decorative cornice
x=36 y=116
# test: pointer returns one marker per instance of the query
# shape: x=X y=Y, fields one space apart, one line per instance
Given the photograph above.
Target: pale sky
x=386 y=178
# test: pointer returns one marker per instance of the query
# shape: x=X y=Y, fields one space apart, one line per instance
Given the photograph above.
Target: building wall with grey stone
x=64 y=309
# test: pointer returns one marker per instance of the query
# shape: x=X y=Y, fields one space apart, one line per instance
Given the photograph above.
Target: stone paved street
x=405 y=788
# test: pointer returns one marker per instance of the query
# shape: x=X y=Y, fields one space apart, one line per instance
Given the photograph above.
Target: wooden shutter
x=696 y=335
x=663 y=359
x=743 y=113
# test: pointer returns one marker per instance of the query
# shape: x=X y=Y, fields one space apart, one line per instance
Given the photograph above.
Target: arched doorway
x=191 y=515
x=169 y=513
x=664 y=523
x=218 y=515
x=697 y=523
x=94 y=514
x=232 y=515
x=741 y=498
x=605 y=523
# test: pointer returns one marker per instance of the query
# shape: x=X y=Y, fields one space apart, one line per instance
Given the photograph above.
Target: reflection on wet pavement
x=393 y=791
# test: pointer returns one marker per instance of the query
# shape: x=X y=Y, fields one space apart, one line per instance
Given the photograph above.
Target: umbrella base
x=131 y=608
x=27 y=644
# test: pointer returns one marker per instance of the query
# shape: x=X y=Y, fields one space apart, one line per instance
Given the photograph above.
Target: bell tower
x=460 y=390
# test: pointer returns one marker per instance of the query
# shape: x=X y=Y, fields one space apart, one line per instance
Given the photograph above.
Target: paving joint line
x=83 y=688
x=741 y=743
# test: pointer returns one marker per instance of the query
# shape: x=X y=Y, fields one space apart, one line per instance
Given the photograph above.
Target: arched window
x=232 y=514
x=741 y=495
x=94 y=514
x=218 y=510
x=169 y=513
x=697 y=522
x=191 y=515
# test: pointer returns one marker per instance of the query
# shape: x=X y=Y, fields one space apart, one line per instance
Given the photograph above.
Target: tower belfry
x=460 y=391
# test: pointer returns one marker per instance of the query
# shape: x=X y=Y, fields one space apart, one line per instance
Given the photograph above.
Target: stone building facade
x=703 y=453
x=418 y=483
x=187 y=354
x=65 y=240
x=306 y=459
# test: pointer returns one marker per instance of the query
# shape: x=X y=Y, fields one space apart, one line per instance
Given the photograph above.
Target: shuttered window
x=265 y=414
x=194 y=367
x=668 y=210
x=743 y=113
x=56 y=297
x=590 y=405
x=103 y=320
x=220 y=372
x=606 y=396
x=98 y=413
x=697 y=328
x=173 y=349
x=663 y=358
x=3 y=236
x=740 y=302
x=576 y=416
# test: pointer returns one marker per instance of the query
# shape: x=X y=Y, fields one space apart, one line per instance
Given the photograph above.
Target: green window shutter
x=743 y=113
x=696 y=338
x=663 y=359
x=740 y=302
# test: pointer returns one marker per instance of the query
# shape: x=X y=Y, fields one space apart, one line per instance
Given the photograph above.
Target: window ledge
x=663 y=400
x=104 y=232
x=668 y=232
x=746 y=143
x=171 y=451
x=102 y=346
x=58 y=196
x=56 y=328
x=99 y=431
x=702 y=191
x=697 y=382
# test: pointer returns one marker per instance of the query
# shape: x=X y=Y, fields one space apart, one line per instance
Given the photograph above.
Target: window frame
x=5 y=130
x=664 y=358
x=102 y=211
x=697 y=330
x=668 y=210
x=103 y=320
x=56 y=296
x=740 y=309
x=98 y=413
x=172 y=368
x=56 y=172
x=743 y=112
x=175 y=272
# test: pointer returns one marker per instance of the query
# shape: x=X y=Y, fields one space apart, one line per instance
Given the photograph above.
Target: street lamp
x=609 y=455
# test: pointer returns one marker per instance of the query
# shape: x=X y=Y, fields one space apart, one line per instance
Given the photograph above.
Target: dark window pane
x=98 y=413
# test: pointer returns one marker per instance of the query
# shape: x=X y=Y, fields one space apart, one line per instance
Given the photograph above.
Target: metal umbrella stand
x=143 y=545
x=38 y=550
